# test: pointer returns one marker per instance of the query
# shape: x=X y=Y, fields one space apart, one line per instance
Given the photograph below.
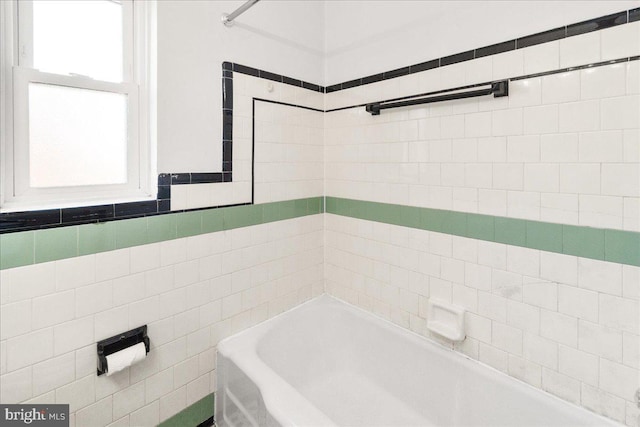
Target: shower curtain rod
x=498 y=89
x=227 y=18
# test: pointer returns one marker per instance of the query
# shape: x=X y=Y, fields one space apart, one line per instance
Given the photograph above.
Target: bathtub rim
x=259 y=330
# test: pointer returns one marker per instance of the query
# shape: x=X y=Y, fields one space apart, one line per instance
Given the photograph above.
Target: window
x=76 y=102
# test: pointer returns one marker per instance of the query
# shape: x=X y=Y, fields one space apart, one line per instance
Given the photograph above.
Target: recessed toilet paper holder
x=120 y=342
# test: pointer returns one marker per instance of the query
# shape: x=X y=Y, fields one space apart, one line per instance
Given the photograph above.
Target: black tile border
x=570 y=30
x=30 y=220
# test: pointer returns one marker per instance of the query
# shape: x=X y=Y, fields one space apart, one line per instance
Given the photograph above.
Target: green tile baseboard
x=193 y=415
x=36 y=246
x=619 y=246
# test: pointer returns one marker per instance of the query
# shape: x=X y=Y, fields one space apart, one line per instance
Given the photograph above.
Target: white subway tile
x=631 y=350
x=561 y=385
x=578 y=303
x=492 y=202
x=159 y=281
x=523 y=316
x=173 y=403
x=581 y=178
x=506 y=338
x=506 y=122
x=620 y=41
x=53 y=309
x=108 y=385
x=128 y=289
x=28 y=349
x=559 y=148
x=600 y=276
x=579 y=365
x=173 y=251
x=186 y=273
x=75 y=272
x=602 y=403
x=15 y=319
x=16 y=386
x=542 y=177
x=198 y=389
x=603 y=147
x=580 y=50
x=600 y=340
x=98 y=414
x=78 y=394
x=523 y=148
x=525 y=92
x=492 y=149
x=111 y=322
x=158 y=385
x=631 y=145
x=508 y=176
x=144 y=311
x=633 y=77
x=198 y=341
x=580 y=116
x=542 y=57
x=631 y=282
x=145 y=257
x=603 y=82
x=558 y=88
x=31 y=281
x=478 y=327
x=540 y=350
x=493 y=357
x=185 y=372
x=617 y=379
x=86 y=361
x=112 y=264
x=128 y=400
x=94 y=298
x=526 y=371
x=622 y=112
x=619 y=313
x=54 y=373
x=621 y=179
x=508 y=64
x=492 y=306
x=559 y=327
x=523 y=261
x=146 y=416
x=73 y=335
x=540 y=293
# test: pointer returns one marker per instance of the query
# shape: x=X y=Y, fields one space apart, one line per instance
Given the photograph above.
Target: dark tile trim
x=595 y=24
x=458 y=57
x=29 y=220
x=544 y=37
x=496 y=48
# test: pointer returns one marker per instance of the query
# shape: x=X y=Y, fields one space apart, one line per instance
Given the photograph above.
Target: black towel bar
x=498 y=89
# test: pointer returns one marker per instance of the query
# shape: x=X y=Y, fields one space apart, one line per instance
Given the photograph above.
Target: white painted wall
x=285 y=37
x=369 y=37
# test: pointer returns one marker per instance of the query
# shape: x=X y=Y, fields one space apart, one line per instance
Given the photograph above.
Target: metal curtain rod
x=227 y=18
x=498 y=89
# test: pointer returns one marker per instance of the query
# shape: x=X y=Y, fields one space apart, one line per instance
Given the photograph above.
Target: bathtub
x=327 y=363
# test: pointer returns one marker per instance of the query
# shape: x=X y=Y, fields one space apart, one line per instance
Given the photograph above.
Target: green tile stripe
x=195 y=414
x=617 y=246
x=32 y=247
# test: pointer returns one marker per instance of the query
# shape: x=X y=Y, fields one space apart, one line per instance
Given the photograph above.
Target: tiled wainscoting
x=524 y=210
x=191 y=291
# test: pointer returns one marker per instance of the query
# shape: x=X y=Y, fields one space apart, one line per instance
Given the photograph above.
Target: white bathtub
x=327 y=363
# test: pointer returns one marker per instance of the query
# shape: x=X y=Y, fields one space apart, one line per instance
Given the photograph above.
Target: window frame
x=139 y=77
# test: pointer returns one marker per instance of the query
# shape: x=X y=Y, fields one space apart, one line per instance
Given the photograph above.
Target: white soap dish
x=446 y=320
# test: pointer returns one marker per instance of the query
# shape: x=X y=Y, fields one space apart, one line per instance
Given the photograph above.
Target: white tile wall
x=48 y=342
x=561 y=148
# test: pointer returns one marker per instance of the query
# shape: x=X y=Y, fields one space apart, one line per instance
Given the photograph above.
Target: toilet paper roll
x=119 y=360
